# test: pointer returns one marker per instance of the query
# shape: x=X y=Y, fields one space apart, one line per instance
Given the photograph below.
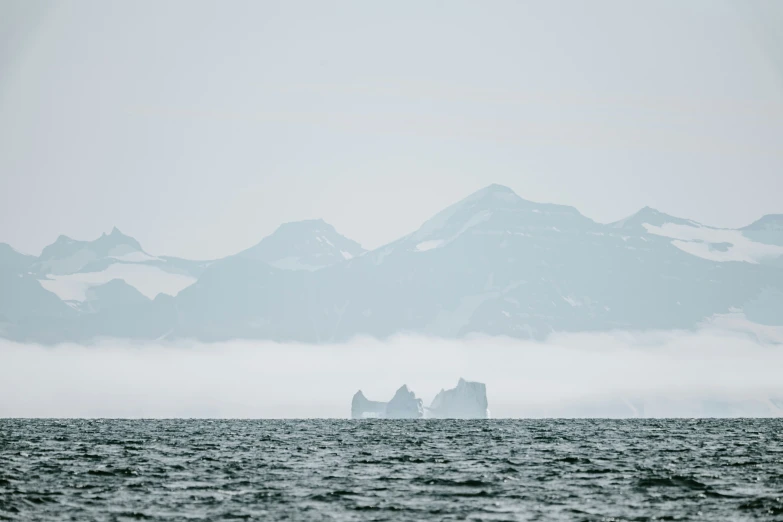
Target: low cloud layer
x=715 y=371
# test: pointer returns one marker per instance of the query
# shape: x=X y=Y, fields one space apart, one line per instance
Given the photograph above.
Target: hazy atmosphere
x=403 y=193
x=712 y=372
x=391 y=260
x=198 y=127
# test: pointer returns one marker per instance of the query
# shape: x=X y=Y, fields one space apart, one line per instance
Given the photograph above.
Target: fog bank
x=711 y=372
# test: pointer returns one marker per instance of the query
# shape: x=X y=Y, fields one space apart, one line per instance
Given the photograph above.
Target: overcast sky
x=198 y=127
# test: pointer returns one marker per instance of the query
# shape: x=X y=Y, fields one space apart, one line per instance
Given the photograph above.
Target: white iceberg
x=363 y=408
x=467 y=401
x=404 y=405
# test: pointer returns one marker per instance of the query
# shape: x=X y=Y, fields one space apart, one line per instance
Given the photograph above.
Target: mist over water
x=710 y=372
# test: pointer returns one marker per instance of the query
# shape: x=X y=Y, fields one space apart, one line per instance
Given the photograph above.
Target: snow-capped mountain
x=493 y=263
x=648 y=216
x=752 y=244
x=493 y=211
x=68 y=256
x=70 y=268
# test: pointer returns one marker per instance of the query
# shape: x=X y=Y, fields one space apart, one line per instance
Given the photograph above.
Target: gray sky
x=197 y=127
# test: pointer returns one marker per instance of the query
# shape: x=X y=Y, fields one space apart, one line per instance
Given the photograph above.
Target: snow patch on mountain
x=429 y=245
x=715 y=244
x=67 y=256
x=148 y=280
x=133 y=257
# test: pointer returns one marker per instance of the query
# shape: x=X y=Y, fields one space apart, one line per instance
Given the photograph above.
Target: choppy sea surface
x=391 y=470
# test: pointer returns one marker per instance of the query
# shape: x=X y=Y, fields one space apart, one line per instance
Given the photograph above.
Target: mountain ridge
x=492 y=263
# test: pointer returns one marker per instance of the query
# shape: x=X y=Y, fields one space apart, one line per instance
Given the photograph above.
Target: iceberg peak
x=362 y=408
x=404 y=405
x=467 y=401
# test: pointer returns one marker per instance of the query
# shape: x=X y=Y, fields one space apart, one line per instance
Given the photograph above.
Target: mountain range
x=492 y=263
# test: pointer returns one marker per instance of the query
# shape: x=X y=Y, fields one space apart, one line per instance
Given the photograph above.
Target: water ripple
x=391 y=470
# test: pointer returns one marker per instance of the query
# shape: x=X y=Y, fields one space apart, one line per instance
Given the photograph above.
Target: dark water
x=391 y=470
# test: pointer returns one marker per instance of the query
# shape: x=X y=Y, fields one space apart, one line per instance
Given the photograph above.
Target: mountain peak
x=766 y=222
x=495 y=209
x=649 y=211
x=68 y=255
x=652 y=213
x=115 y=237
x=114 y=232
x=304 y=225
x=651 y=216
x=304 y=245
x=497 y=187
x=494 y=190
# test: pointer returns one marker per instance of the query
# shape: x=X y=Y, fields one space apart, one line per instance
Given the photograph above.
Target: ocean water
x=391 y=470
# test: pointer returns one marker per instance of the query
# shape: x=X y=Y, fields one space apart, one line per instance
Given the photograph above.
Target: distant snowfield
x=134 y=257
x=729 y=368
x=429 y=245
x=149 y=280
x=716 y=244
